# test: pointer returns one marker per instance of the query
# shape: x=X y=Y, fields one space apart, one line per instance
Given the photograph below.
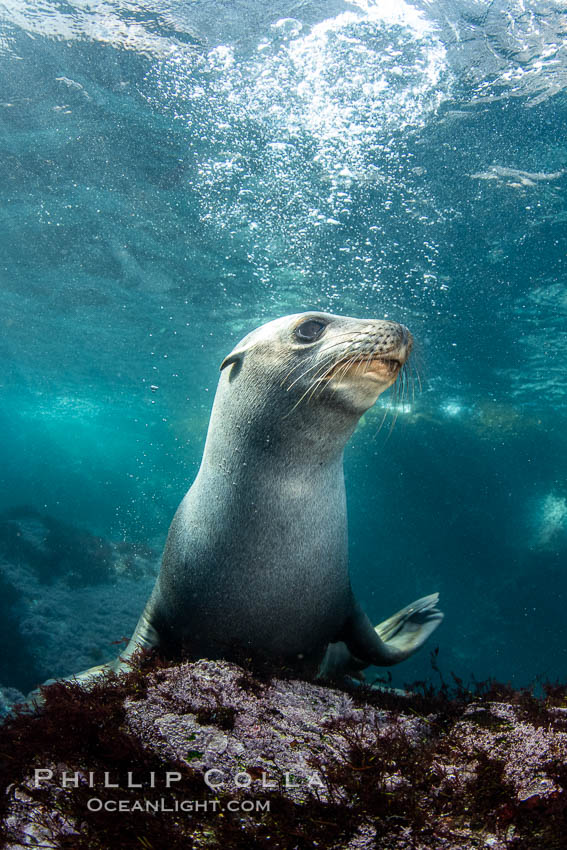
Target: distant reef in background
x=66 y=595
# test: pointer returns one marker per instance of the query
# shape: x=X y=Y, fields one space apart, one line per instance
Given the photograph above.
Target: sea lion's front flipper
x=396 y=638
x=145 y=637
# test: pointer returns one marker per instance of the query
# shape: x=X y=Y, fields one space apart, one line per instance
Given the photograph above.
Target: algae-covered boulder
x=208 y=754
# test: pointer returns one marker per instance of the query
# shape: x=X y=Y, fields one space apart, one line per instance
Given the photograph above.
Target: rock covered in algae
x=207 y=754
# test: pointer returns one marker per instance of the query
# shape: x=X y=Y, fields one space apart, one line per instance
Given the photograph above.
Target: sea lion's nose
x=402 y=336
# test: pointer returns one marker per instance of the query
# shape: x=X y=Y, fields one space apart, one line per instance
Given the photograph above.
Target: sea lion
x=255 y=563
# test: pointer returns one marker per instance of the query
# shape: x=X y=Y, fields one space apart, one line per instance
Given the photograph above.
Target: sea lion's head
x=338 y=360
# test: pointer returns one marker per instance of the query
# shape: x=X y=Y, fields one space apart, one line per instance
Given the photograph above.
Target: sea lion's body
x=255 y=563
x=257 y=551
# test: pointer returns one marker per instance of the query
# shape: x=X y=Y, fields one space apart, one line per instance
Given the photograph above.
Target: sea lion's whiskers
x=393 y=422
x=402 y=380
x=416 y=363
x=352 y=335
x=303 y=374
x=329 y=348
x=395 y=394
x=370 y=358
x=300 y=399
x=392 y=407
x=293 y=368
x=387 y=409
x=381 y=425
x=363 y=362
x=318 y=366
x=318 y=382
x=319 y=376
x=418 y=376
x=410 y=381
x=325 y=350
x=342 y=370
x=400 y=395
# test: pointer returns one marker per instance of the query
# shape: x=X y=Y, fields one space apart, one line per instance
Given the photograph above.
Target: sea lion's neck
x=277 y=432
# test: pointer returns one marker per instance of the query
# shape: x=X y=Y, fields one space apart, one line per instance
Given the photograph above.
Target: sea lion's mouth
x=382 y=369
x=390 y=362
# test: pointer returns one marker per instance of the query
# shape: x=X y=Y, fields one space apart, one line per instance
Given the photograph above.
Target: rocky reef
x=66 y=597
x=210 y=754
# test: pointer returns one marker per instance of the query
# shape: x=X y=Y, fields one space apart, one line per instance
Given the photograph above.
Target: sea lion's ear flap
x=233 y=357
x=237 y=355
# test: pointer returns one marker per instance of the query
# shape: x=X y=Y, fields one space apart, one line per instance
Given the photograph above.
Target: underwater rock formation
x=65 y=596
x=210 y=754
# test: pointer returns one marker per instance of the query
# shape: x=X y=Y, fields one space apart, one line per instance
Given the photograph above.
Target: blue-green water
x=174 y=174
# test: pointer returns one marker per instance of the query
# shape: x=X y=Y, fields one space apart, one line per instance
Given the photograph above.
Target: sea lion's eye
x=310 y=331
